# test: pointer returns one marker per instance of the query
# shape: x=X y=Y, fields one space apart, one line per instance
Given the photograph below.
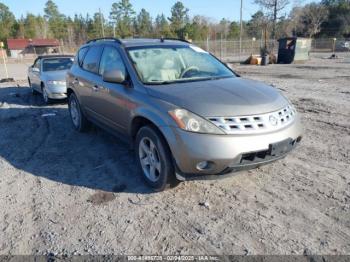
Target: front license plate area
x=281 y=148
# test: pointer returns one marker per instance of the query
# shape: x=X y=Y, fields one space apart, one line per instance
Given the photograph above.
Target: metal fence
x=232 y=51
x=228 y=50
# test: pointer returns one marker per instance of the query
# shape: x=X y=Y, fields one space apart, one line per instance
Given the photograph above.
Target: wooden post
x=4 y=59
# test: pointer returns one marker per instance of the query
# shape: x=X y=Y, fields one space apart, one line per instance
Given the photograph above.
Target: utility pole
x=3 y=53
x=102 y=24
x=241 y=29
x=274 y=19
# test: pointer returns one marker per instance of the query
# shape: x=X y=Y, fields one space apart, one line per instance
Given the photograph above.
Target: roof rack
x=162 y=39
x=104 y=38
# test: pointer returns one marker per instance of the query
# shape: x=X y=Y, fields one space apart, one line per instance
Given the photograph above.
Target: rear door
x=75 y=75
x=111 y=99
x=88 y=80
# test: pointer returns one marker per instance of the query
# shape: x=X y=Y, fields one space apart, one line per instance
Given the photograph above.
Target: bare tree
x=312 y=18
x=295 y=24
x=274 y=7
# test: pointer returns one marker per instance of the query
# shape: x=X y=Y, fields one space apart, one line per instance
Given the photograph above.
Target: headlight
x=193 y=123
x=54 y=82
x=293 y=108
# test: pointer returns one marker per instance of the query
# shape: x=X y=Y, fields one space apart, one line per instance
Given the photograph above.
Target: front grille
x=255 y=123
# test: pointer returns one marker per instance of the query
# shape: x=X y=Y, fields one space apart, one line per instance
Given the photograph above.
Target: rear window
x=92 y=59
x=81 y=54
x=57 y=64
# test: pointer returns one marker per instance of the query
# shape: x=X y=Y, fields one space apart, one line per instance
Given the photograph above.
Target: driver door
x=35 y=75
x=111 y=99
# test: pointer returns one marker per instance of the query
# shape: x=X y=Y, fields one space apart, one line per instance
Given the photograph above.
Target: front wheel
x=154 y=159
x=33 y=91
x=45 y=95
x=79 y=121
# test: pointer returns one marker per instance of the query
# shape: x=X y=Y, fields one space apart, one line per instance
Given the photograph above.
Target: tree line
x=328 y=18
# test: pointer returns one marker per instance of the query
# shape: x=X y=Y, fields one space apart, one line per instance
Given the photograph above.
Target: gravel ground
x=62 y=192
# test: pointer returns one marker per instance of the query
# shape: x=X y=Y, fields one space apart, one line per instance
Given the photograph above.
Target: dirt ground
x=67 y=193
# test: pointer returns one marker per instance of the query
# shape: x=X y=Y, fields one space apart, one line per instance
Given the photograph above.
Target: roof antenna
x=162 y=39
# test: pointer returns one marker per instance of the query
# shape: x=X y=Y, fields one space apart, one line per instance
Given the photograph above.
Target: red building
x=21 y=47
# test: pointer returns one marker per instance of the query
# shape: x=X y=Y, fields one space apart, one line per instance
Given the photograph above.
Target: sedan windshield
x=169 y=64
x=57 y=64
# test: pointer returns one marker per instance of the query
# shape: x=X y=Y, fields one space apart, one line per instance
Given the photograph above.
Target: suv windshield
x=56 y=64
x=169 y=64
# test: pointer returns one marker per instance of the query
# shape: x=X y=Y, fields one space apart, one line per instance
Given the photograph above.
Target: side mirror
x=35 y=69
x=114 y=76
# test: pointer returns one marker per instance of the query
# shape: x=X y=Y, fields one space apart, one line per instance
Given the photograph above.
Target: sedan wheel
x=34 y=92
x=45 y=95
x=149 y=159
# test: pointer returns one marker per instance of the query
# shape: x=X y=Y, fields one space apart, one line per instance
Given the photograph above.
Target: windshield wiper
x=218 y=77
x=160 y=83
x=186 y=80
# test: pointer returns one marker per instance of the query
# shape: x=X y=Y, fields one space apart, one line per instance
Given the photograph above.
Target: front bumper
x=226 y=153
x=56 y=91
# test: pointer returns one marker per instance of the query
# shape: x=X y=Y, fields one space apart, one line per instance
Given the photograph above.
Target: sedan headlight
x=56 y=82
x=193 y=123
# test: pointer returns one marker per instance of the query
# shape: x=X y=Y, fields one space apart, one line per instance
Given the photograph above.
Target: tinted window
x=57 y=64
x=92 y=59
x=81 y=55
x=111 y=60
x=37 y=64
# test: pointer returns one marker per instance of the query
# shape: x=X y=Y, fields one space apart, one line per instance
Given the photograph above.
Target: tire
x=79 y=121
x=153 y=153
x=45 y=96
x=34 y=92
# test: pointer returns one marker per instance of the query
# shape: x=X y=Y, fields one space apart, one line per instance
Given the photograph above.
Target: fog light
x=202 y=165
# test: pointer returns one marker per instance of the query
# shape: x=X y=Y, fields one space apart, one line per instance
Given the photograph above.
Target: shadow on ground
x=48 y=147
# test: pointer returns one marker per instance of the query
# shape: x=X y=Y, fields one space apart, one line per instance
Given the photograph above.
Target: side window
x=37 y=64
x=81 y=54
x=111 y=60
x=92 y=59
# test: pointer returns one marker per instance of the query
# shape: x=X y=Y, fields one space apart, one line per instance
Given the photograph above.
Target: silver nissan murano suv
x=187 y=115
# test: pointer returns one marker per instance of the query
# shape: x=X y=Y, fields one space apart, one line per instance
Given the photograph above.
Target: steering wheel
x=188 y=69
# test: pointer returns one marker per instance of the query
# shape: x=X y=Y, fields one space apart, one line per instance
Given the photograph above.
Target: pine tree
x=143 y=24
x=162 y=27
x=56 y=20
x=7 y=23
x=179 y=18
x=123 y=15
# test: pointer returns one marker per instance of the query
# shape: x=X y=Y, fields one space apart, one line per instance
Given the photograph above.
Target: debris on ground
x=48 y=115
x=7 y=80
x=15 y=94
x=205 y=204
x=256 y=59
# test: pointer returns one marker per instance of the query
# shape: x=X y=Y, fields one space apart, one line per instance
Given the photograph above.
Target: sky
x=216 y=9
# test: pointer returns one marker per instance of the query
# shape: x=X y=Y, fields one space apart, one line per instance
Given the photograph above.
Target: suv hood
x=223 y=97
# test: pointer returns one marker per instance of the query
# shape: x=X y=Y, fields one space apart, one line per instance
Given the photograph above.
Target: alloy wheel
x=73 y=108
x=149 y=159
x=45 y=95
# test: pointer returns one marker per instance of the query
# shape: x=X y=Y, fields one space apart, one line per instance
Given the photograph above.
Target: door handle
x=95 y=88
x=75 y=81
